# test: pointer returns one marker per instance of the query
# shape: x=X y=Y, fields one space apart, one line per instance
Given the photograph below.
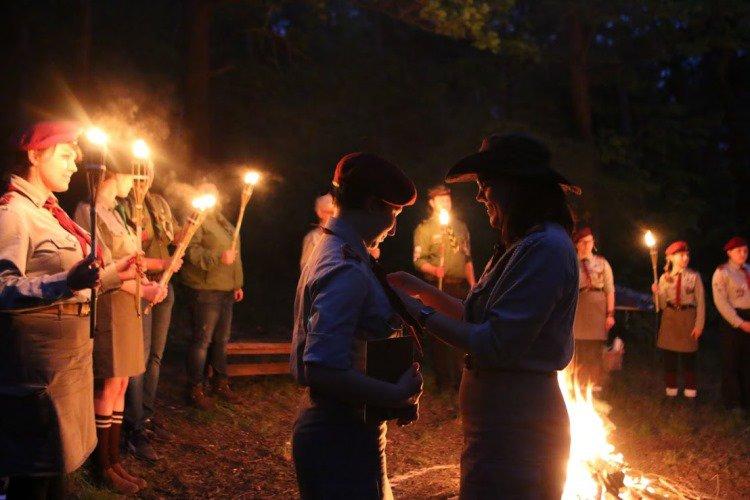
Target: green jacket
x=427 y=242
x=202 y=268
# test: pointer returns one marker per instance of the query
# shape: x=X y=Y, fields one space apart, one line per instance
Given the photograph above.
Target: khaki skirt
x=46 y=394
x=675 y=330
x=118 y=344
x=591 y=316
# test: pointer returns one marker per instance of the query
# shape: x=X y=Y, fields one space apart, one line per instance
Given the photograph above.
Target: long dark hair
x=525 y=203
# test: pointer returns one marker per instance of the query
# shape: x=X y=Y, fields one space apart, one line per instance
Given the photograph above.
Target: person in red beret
x=342 y=302
x=595 y=313
x=683 y=305
x=731 y=290
x=46 y=383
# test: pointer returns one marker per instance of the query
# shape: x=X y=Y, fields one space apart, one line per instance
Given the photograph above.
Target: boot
x=198 y=399
x=115 y=434
x=222 y=389
x=117 y=483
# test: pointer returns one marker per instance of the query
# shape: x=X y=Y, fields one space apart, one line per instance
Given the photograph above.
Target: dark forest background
x=645 y=104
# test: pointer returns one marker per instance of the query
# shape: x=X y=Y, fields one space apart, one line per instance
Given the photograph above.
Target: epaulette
x=349 y=253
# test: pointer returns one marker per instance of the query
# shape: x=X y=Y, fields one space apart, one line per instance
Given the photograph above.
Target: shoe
x=222 y=389
x=114 y=481
x=140 y=447
x=157 y=431
x=198 y=399
x=691 y=393
x=120 y=471
x=671 y=392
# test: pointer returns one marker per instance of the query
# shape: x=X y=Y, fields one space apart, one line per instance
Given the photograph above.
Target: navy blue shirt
x=339 y=304
x=523 y=306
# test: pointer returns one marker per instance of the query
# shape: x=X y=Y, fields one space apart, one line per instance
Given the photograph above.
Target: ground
x=243 y=451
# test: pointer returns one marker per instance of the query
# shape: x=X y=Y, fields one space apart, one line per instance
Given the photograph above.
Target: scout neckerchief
x=587 y=272
x=678 y=297
x=84 y=239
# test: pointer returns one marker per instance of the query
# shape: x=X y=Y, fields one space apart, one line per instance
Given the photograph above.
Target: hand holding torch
x=250 y=180
x=95 y=169
x=444 y=218
x=650 y=241
x=140 y=173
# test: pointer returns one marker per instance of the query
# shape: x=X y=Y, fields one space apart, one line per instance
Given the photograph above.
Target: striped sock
x=102 y=421
x=114 y=439
x=103 y=428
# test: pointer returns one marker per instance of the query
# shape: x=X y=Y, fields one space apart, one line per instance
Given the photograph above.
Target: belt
x=446 y=280
x=590 y=289
x=81 y=309
x=680 y=307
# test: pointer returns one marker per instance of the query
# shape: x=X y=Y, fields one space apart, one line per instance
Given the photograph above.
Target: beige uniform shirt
x=308 y=245
x=598 y=271
x=118 y=239
x=36 y=253
x=731 y=291
x=691 y=293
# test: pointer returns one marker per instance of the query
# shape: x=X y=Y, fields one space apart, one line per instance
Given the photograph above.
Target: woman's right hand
x=655 y=288
x=126 y=268
x=153 y=292
x=407 y=283
x=409 y=385
x=84 y=274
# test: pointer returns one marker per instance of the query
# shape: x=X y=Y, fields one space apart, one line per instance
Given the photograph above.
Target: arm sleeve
x=721 y=299
x=538 y=277
x=18 y=291
x=200 y=256
x=663 y=286
x=609 y=278
x=421 y=247
x=337 y=299
x=700 y=303
x=307 y=248
x=467 y=243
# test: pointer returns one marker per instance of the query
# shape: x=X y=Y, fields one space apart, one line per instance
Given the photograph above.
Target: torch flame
x=444 y=217
x=649 y=239
x=141 y=150
x=204 y=202
x=252 y=178
x=97 y=136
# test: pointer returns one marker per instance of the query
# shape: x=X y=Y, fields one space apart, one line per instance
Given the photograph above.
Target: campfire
x=595 y=469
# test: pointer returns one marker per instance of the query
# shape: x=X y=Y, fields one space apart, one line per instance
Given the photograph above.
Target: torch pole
x=139 y=195
x=654 y=257
x=442 y=261
x=94 y=178
x=247 y=193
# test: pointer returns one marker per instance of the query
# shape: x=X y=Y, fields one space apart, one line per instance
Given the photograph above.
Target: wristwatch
x=425 y=313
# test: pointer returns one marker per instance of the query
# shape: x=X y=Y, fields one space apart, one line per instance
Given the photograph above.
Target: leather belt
x=590 y=289
x=680 y=307
x=81 y=309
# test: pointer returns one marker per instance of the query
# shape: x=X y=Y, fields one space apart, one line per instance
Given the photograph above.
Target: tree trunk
x=197 y=78
x=579 y=73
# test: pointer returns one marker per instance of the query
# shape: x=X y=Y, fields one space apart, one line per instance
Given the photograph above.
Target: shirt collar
x=734 y=266
x=36 y=195
x=346 y=232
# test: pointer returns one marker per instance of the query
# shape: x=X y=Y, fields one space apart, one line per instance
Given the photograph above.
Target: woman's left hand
x=696 y=333
x=610 y=322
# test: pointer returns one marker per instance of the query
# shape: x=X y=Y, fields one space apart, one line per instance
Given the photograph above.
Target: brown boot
x=120 y=471
x=198 y=399
x=117 y=483
x=221 y=388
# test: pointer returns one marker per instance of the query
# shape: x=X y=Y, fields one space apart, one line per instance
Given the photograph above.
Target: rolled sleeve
x=516 y=318
x=336 y=304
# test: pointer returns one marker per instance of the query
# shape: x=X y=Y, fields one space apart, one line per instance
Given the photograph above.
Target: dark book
x=387 y=359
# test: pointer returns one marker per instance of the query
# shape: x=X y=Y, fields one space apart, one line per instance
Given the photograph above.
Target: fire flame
x=141 y=150
x=97 y=136
x=252 y=178
x=649 y=239
x=444 y=217
x=204 y=202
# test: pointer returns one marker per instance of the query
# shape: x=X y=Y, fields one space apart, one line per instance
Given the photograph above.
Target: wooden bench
x=258 y=349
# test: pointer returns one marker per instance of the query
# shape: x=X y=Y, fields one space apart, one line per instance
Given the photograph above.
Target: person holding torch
x=46 y=273
x=213 y=273
x=442 y=253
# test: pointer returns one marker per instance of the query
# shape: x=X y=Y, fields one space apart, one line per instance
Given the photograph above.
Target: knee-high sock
x=103 y=430
x=114 y=438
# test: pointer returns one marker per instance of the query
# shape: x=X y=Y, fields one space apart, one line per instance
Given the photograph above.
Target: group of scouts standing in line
x=65 y=392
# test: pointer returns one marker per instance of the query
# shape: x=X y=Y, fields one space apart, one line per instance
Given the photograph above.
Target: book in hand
x=388 y=359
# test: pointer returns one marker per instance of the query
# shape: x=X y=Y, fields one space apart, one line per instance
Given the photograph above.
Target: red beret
x=376 y=177
x=581 y=233
x=42 y=135
x=736 y=242
x=677 y=246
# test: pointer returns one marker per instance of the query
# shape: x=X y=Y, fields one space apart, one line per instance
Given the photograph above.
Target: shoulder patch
x=348 y=252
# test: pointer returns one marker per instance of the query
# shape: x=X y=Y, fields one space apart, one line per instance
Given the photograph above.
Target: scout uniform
x=46 y=383
x=731 y=292
x=324 y=209
x=309 y=242
x=429 y=238
x=595 y=282
x=118 y=345
x=683 y=306
x=212 y=285
x=515 y=425
x=339 y=305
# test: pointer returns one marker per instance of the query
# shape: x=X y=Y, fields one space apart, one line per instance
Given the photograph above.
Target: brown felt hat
x=376 y=177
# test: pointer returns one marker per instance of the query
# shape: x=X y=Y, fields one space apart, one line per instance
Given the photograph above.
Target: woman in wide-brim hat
x=515 y=325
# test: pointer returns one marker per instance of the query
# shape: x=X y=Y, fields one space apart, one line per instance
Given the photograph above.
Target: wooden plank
x=252 y=369
x=258 y=348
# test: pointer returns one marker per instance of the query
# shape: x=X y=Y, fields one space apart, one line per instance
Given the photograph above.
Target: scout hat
x=676 y=247
x=581 y=233
x=512 y=155
x=735 y=242
x=42 y=135
x=375 y=176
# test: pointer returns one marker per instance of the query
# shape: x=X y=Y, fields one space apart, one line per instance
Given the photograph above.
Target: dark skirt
x=338 y=456
x=516 y=435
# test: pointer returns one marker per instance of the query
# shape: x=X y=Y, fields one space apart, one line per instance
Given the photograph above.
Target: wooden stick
x=247 y=192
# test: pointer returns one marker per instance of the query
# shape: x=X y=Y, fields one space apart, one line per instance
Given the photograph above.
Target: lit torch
x=140 y=166
x=95 y=169
x=650 y=241
x=201 y=204
x=444 y=217
x=250 y=180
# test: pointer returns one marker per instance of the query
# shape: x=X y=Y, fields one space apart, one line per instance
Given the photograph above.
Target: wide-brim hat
x=510 y=155
x=376 y=177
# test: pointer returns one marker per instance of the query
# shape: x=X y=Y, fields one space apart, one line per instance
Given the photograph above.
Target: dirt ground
x=243 y=451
